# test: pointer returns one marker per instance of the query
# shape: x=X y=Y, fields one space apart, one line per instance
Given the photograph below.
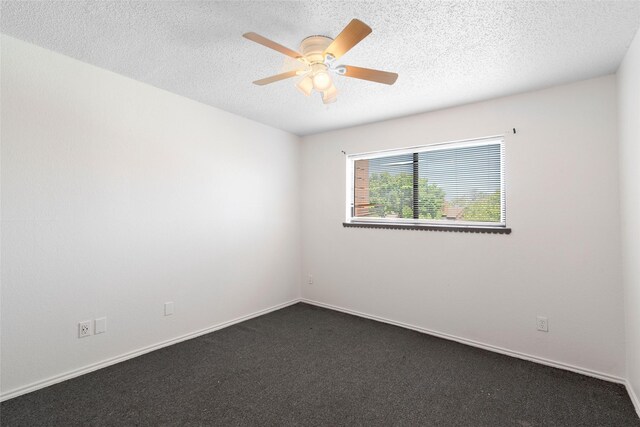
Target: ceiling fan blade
x=276 y=78
x=352 y=34
x=272 y=45
x=371 y=75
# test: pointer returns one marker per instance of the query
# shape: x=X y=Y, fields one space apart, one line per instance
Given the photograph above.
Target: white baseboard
x=496 y=349
x=633 y=396
x=112 y=361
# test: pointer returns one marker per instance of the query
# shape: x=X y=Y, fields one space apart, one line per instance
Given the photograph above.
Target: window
x=458 y=185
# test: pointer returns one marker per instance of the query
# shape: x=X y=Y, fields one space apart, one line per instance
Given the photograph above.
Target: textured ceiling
x=446 y=53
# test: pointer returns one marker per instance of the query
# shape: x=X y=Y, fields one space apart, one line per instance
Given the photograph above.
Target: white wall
x=117 y=197
x=562 y=259
x=629 y=119
x=103 y=215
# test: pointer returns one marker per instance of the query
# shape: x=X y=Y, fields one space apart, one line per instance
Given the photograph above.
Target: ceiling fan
x=318 y=57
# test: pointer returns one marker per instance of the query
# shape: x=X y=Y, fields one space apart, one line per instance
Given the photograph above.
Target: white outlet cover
x=100 y=326
x=168 y=308
x=84 y=329
x=543 y=324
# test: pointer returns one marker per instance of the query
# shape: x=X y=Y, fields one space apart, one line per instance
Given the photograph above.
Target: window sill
x=421 y=227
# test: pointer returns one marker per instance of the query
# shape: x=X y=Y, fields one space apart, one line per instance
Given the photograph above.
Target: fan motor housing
x=313 y=47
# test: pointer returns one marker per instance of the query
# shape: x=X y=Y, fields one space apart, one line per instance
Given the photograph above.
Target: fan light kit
x=318 y=56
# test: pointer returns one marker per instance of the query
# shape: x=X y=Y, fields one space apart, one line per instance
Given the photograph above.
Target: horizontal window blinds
x=449 y=183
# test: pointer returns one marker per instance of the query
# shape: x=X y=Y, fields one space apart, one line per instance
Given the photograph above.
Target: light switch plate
x=100 y=325
x=168 y=308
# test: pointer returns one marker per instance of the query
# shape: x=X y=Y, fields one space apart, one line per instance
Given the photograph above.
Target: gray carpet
x=304 y=365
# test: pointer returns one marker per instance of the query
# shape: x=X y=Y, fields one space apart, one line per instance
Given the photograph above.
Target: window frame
x=426 y=224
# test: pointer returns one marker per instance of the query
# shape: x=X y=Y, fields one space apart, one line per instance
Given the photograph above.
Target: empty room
x=322 y=213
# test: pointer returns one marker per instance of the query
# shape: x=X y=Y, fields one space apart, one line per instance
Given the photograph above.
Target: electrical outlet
x=84 y=329
x=310 y=279
x=543 y=324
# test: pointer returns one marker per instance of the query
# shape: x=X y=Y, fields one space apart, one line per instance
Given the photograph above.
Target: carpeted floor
x=304 y=365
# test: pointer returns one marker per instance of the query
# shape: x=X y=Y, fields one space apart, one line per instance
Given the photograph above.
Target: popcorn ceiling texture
x=446 y=53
